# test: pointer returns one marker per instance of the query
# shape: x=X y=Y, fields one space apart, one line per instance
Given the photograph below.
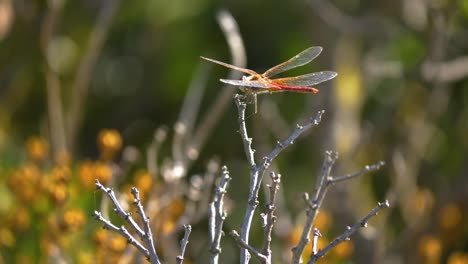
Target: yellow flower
x=168 y=226
x=142 y=181
x=61 y=173
x=176 y=208
x=73 y=219
x=21 y=219
x=102 y=172
x=23 y=182
x=344 y=249
x=7 y=239
x=421 y=202
x=100 y=237
x=36 y=148
x=109 y=142
x=86 y=174
x=430 y=248
x=118 y=243
x=46 y=244
x=293 y=236
x=58 y=193
x=27 y=174
x=88 y=171
x=85 y=257
x=27 y=194
x=457 y=258
x=450 y=216
x=323 y=221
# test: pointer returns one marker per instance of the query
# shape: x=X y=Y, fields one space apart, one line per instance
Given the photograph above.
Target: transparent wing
x=309 y=79
x=231 y=66
x=255 y=84
x=300 y=59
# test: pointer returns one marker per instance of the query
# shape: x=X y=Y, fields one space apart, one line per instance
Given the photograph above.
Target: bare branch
x=217 y=215
x=314 y=204
x=183 y=244
x=324 y=181
x=319 y=190
x=294 y=135
x=315 y=240
x=252 y=250
x=145 y=235
x=367 y=168
x=118 y=208
x=269 y=218
x=249 y=152
x=148 y=236
x=123 y=232
x=257 y=172
x=350 y=230
x=254 y=178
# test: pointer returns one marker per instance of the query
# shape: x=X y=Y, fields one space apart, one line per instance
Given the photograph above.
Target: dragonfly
x=254 y=83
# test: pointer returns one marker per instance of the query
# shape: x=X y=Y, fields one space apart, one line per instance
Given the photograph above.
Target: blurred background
x=116 y=90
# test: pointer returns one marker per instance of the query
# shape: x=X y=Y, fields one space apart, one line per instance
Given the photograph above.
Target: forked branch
x=144 y=234
x=324 y=181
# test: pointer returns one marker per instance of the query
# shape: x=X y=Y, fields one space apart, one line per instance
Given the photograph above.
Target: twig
x=350 y=230
x=316 y=235
x=217 y=215
x=118 y=208
x=148 y=236
x=254 y=178
x=123 y=232
x=246 y=141
x=324 y=181
x=368 y=168
x=145 y=235
x=257 y=172
x=290 y=140
x=314 y=204
x=269 y=217
x=252 y=250
x=183 y=244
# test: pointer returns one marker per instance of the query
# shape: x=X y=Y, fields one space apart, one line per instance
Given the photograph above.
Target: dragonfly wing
x=255 y=84
x=247 y=71
x=300 y=59
x=309 y=79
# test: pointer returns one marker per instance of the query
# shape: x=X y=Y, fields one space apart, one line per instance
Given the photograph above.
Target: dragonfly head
x=249 y=78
